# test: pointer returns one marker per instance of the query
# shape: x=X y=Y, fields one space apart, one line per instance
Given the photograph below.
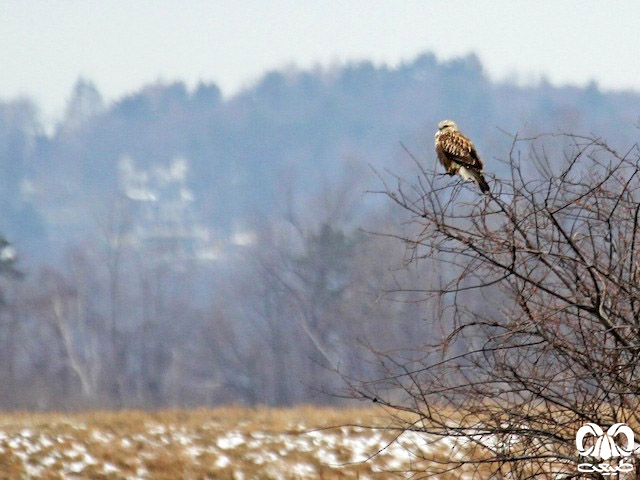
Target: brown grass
x=221 y=443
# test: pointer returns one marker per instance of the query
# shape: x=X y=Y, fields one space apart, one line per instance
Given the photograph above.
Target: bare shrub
x=536 y=290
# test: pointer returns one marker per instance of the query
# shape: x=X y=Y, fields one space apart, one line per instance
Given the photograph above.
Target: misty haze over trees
x=180 y=248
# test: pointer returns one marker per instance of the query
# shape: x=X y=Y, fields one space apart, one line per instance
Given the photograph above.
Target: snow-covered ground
x=154 y=448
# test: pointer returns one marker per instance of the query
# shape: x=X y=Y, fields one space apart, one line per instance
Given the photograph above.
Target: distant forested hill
x=292 y=131
x=182 y=248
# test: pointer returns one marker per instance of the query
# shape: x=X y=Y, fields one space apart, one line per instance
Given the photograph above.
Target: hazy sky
x=45 y=45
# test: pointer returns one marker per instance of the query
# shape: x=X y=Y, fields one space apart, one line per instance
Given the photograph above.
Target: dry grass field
x=222 y=443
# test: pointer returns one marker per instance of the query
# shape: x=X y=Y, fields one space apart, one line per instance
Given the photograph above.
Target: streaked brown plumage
x=458 y=155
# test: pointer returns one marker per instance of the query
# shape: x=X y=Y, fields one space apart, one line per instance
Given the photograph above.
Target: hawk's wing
x=459 y=149
x=445 y=160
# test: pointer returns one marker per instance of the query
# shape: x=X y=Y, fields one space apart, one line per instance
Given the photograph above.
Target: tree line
x=182 y=248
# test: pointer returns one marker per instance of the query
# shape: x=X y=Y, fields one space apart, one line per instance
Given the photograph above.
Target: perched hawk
x=458 y=155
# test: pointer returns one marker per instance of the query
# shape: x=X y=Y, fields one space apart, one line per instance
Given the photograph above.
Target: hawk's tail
x=476 y=176
x=482 y=183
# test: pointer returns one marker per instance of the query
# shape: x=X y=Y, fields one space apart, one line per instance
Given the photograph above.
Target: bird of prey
x=458 y=155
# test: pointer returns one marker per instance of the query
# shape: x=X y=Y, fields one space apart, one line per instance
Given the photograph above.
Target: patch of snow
x=76 y=467
x=32 y=448
x=194 y=451
x=254 y=444
x=14 y=443
x=275 y=473
x=329 y=458
x=102 y=437
x=230 y=440
x=210 y=425
x=73 y=452
x=182 y=438
x=142 y=471
x=49 y=460
x=157 y=429
x=110 y=468
x=303 y=470
x=44 y=441
x=238 y=475
x=301 y=445
x=262 y=457
x=138 y=437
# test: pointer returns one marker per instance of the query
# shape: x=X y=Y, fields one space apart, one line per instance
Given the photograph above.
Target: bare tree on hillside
x=538 y=299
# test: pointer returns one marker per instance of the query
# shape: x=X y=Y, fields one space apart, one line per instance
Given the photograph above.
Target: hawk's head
x=447 y=125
